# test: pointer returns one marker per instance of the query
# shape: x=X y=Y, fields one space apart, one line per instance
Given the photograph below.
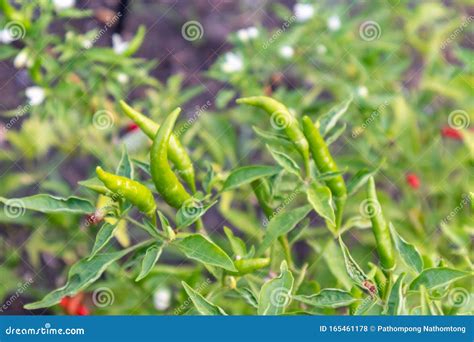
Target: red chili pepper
x=83 y=310
x=64 y=302
x=131 y=127
x=413 y=180
x=451 y=133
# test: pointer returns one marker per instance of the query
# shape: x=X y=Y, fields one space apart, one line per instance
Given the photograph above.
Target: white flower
x=35 y=95
x=243 y=35
x=162 y=299
x=118 y=44
x=22 y=59
x=247 y=34
x=286 y=51
x=63 y=4
x=334 y=23
x=362 y=91
x=321 y=49
x=252 y=32
x=122 y=78
x=303 y=12
x=6 y=36
x=232 y=63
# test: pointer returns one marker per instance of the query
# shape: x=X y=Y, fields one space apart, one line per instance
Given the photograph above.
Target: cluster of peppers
x=306 y=138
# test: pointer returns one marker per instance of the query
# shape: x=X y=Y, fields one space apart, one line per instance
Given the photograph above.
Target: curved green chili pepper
x=325 y=163
x=380 y=228
x=290 y=124
x=176 y=152
x=138 y=194
x=164 y=178
x=245 y=266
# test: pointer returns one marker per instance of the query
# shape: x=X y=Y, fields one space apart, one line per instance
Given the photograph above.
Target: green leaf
x=204 y=306
x=359 y=179
x=334 y=258
x=275 y=294
x=237 y=245
x=273 y=138
x=7 y=52
x=105 y=233
x=223 y=98
x=329 y=119
x=125 y=167
x=136 y=42
x=335 y=133
x=144 y=166
x=320 y=198
x=199 y=248
x=248 y=296
x=149 y=260
x=353 y=269
x=82 y=274
x=48 y=204
x=190 y=212
x=94 y=184
x=281 y=224
x=285 y=161
x=433 y=278
x=407 y=251
x=394 y=305
x=328 y=298
x=248 y=174
x=368 y=304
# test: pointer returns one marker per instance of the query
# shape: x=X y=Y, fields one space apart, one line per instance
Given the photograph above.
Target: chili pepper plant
x=259 y=270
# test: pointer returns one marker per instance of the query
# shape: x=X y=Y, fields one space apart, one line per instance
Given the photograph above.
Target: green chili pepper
x=261 y=191
x=380 y=228
x=12 y=14
x=138 y=194
x=245 y=266
x=176 y=152
x=281 y=117
x=325 y=163
x=164 y=178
